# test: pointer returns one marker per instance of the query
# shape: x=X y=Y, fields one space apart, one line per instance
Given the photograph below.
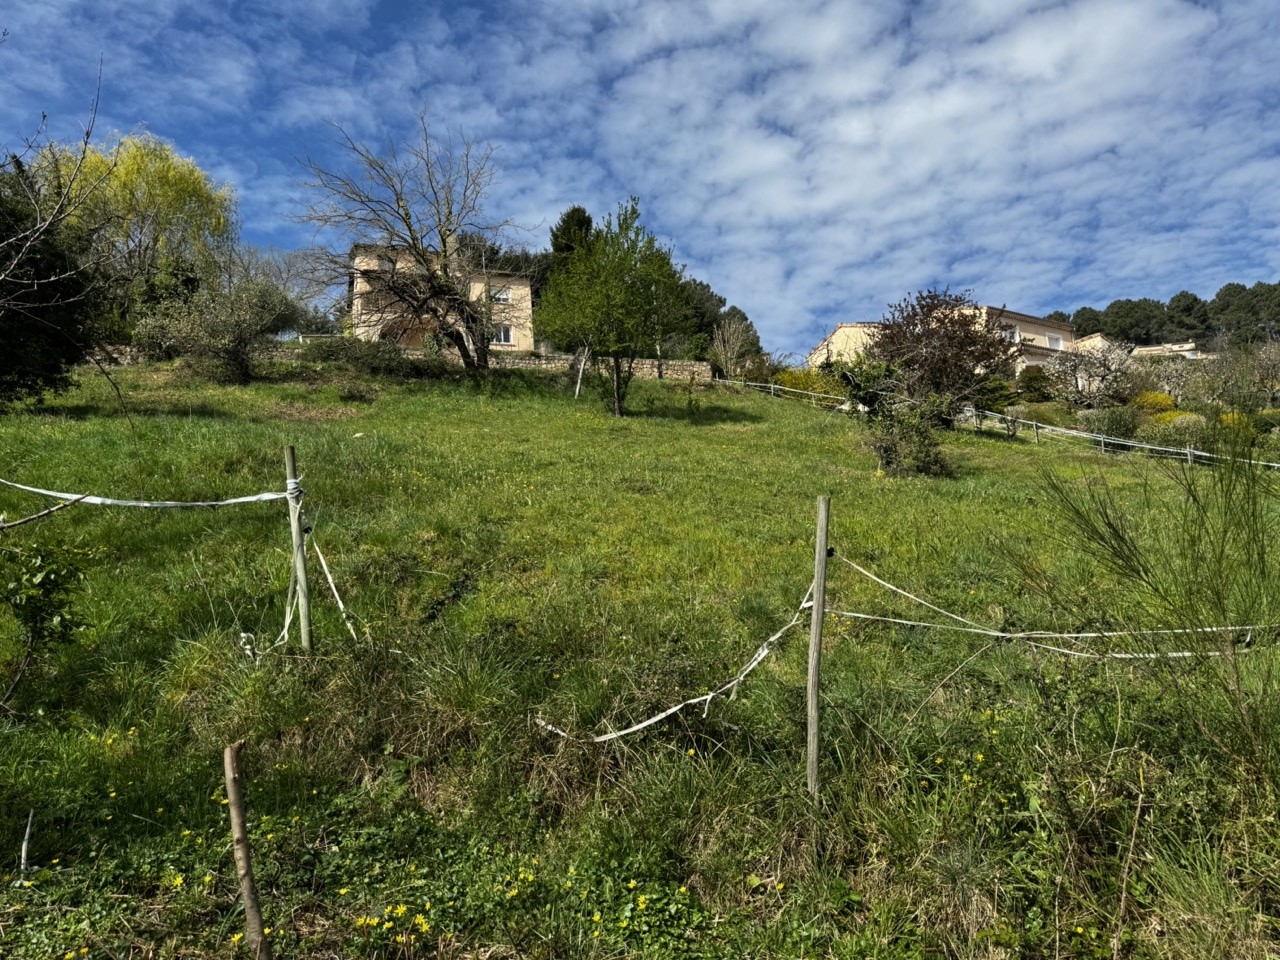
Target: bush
x=1267 y=420
x=903 y=440
x=1175 y=429
x=374 y=358
x=1237 y=425
x=1015 y=413
x=1154 y=402
x=222 y=332
x=812 y=381
x=1034 y=385
x=1118 y=422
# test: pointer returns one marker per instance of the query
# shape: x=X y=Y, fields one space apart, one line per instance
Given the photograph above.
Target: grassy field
x=513 y=555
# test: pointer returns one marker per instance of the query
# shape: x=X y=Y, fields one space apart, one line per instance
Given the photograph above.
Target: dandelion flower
x=631 y=885
x=342 y=891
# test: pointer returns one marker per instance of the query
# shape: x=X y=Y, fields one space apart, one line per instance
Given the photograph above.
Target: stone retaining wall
x=699 y=370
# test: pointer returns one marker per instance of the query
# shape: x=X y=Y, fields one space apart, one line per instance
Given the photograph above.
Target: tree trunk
x=617 y=385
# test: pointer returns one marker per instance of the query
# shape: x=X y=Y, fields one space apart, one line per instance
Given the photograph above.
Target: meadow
x=511 y=555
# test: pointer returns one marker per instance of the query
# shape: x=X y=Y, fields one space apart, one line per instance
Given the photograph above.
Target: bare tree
x=51 y=197
x=48 y=270
x=417 y=236
x=733 y=341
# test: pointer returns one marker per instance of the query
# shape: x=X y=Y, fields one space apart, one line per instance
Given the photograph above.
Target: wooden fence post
x=815 y=642
x=1035 y=429
x=259 y=946
x=299 y=548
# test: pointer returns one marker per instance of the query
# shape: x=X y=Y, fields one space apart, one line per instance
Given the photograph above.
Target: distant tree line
x=1237 y=315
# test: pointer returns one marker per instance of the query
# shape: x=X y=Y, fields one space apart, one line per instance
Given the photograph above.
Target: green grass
x=514 y=554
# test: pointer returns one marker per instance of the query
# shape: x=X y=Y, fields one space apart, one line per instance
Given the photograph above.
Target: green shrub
x=1118 y=422
x=904 y=441
x=1015 y=413
x=1154 y=402
x=1034 y=385
x=373 y=358
x=1175 y=429
x=1233 y=421
x=1267 y=420
x=222 y=332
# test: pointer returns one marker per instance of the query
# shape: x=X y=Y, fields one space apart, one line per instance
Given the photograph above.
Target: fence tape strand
x=346 y=617
x=154 y=504
x=730 y=686
x=1036 y=638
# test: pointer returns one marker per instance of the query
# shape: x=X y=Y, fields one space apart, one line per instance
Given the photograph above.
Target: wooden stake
x=1035 y=428
x=299 y=550
x=259 y=946
x=815 y=641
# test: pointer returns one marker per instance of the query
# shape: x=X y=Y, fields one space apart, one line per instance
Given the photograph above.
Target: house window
x=502 y=295
x=502 y=334
x=1055 y=343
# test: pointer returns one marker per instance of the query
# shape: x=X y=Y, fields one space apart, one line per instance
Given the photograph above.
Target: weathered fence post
x=259 y=946
x=299 y=548
x=815 y=642
x=1035 y=429
x=1190 y=459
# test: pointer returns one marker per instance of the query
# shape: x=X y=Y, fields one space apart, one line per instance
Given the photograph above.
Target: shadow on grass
x=102 y=411
x=699 y=416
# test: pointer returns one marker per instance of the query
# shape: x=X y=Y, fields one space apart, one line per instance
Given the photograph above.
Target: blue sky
x=812 y=160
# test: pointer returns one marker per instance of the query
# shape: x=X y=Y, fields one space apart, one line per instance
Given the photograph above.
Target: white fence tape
x=777 y=390
x=1035 y=638
x=729 y=687
x=112 y=502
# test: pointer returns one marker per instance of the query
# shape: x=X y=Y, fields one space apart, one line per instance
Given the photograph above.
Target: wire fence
x=296 y=597
x=1190 y=454
x=1105 y=443
x=826 y=400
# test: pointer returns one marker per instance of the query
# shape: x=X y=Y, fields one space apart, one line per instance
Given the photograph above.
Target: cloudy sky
x=811 y=160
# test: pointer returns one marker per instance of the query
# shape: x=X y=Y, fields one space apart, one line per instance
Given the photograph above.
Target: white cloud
x=812 y=161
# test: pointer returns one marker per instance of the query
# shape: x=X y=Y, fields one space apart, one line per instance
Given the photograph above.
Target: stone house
x=375 y=316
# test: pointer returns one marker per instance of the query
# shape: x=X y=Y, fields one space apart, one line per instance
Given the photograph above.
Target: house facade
x=843 y=344
x=1040 y=339
x=374 y=316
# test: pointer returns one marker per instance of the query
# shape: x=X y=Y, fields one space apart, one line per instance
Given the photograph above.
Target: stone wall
x=699 y=370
